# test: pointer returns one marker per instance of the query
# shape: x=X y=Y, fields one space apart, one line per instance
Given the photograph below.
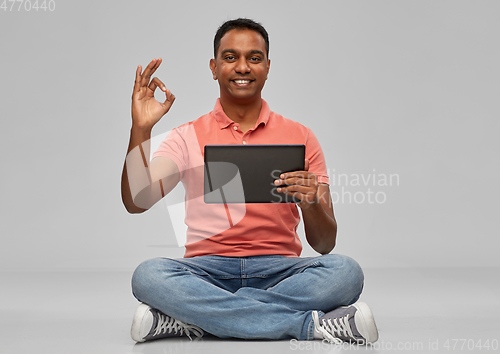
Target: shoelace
x=167 y=324
x=330 y=329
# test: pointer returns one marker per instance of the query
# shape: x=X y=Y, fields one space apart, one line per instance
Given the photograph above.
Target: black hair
x=240 y=23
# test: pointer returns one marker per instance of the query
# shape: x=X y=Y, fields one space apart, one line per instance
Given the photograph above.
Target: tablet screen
x=246 y=173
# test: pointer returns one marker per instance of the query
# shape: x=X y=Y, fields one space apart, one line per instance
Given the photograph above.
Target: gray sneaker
x=149 y=323
x=353 y=323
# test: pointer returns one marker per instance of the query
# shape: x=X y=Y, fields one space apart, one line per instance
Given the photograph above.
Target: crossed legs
x=262 y=297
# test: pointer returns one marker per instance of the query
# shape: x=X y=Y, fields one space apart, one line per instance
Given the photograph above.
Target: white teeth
x=242 y=81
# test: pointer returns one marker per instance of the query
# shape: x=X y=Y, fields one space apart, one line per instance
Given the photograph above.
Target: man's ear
x=212 y=68
x=268 y=66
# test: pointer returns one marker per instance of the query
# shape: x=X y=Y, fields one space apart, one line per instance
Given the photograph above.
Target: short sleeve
x=176 y=147
x=314 y=154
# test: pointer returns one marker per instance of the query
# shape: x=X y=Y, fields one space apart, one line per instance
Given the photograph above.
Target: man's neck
x=245 y=114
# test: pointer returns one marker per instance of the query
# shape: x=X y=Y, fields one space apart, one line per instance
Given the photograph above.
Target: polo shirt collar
x=224 y=121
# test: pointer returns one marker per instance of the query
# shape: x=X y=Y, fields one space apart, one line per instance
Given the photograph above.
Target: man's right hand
x=143 y=182
x=146 y=110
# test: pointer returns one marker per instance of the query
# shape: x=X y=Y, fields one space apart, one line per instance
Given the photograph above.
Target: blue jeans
x=259 y=297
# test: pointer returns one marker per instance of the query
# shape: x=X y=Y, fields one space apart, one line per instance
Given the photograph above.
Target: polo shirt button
x=235 y=127
x=244 y=142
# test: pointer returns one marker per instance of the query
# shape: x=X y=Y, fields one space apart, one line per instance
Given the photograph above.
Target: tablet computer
x=246 y=173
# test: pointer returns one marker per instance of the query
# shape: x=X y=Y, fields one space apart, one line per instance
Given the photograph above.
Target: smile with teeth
x=242 y=82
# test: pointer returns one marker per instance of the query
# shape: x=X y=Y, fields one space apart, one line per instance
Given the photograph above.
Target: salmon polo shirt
x=237 y=230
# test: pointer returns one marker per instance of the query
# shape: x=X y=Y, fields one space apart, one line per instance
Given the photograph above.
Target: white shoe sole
x=138 y=323
x=365 y=323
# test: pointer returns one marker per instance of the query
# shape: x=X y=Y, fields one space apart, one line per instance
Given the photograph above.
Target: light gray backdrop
x=403 y=90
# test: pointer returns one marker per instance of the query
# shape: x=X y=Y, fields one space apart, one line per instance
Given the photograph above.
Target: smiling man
x=241 y=67
x=248 y=280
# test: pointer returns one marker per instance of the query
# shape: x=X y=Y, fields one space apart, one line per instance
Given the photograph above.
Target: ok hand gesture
x=146 y=110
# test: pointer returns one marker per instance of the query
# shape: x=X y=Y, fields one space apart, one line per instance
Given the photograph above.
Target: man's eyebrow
x=227 y=51
x=257 y=52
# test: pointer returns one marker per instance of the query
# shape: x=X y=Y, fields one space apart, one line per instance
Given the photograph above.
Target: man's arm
x=317 y=207
x=319 y=221
x=144 y=183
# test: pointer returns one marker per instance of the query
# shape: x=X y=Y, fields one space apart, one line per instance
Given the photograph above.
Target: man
x=246 y=280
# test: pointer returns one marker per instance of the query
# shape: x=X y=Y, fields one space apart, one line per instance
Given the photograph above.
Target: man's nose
x=242 y=66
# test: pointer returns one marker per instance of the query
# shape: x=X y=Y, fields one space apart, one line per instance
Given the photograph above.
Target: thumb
x=169 y=100
x=306 y=165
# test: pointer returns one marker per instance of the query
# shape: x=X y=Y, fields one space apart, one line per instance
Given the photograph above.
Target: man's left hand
x=302 y=185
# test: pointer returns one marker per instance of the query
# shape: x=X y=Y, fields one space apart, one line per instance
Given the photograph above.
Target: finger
x=170 y=98
x=147 y=70
x=150 y=69
x=296 y=182
x=157 y=65
x=138 y=77
x=300 y=174
x=293 y=174
x=299 y=178
x=302 y=193
x=295 y=189
x=154 y=84
x=158 y=62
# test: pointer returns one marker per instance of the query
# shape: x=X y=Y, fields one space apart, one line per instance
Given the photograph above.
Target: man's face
x=241 y=65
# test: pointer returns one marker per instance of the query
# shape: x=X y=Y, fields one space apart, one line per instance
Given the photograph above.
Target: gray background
x=400 y=87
